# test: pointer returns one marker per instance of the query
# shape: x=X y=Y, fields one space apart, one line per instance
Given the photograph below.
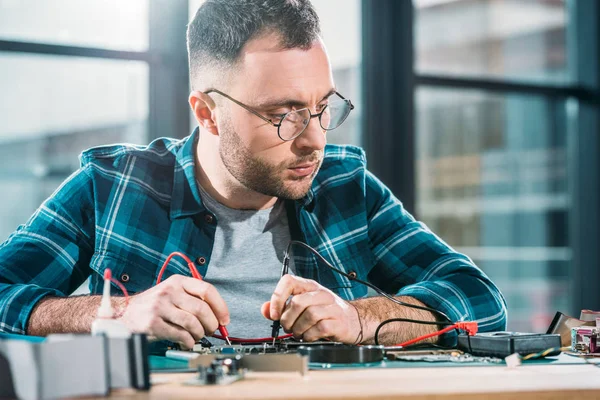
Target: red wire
x=120 y=285
x=223 y=330
x=470 y=327
x=256 y=340
x=189 y=262
x=418 y=339
x=108 y=275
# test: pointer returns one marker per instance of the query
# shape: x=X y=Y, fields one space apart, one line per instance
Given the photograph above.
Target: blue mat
x=164 y=364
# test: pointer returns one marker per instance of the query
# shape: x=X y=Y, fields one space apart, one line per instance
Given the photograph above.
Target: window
x=491 y=137
x=80 y=74
x=492 y=181
x=512 y=39
x=54 y=107
x=340 y=26
x=110 y=24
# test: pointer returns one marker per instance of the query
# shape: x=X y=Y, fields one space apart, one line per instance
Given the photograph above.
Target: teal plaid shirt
x=128 y=207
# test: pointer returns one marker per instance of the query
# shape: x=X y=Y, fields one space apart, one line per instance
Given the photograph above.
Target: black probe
x=284 y=271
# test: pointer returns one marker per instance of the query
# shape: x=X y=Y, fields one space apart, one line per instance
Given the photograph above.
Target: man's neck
x=218 y=182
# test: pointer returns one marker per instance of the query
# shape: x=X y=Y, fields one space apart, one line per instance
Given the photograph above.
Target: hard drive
x=503 y=344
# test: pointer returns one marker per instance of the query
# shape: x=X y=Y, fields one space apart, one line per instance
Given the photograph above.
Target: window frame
x=167 y=63
x=389 y=86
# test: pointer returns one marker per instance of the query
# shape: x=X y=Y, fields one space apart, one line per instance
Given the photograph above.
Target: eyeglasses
x=291 y=124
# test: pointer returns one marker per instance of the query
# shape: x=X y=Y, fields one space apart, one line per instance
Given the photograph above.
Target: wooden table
x=485 y=382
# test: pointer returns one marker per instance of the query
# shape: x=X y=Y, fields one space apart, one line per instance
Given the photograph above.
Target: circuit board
x=280 y=347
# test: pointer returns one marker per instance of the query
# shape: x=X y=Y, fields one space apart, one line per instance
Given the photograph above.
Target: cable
x=415 y=321
x=256 y=340
x=189 y=262
x=196 y=275
x=544 y=353
x=120 y=285
x=469 y=327
x=375 y=288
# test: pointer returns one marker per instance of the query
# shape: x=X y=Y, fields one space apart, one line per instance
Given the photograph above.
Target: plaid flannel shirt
x=128 y=207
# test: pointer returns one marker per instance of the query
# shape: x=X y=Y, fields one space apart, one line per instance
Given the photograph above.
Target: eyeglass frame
x=284 y=116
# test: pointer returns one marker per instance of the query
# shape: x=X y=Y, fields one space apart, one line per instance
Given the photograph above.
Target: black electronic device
x=342 y=354
x=503 y=344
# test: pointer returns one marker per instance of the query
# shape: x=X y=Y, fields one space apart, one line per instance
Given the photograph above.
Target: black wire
x=375 y=288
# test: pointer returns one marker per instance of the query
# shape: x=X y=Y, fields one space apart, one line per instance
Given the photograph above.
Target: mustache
x=315 y=157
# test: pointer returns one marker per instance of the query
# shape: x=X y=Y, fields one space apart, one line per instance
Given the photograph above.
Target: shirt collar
x=185 y=198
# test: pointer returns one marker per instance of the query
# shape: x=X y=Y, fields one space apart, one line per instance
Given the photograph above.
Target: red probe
x=195 y=274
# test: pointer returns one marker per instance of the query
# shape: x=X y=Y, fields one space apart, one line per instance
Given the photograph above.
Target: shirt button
x=201 y=260
x=208 y=218
x=124 y=278
x=352 y=275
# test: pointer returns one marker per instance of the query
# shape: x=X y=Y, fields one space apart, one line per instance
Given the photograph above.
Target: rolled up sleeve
x=413 y=261
x=50 y=254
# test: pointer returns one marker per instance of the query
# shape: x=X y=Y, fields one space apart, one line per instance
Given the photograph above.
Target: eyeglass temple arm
x=243 y=106
x=343 y=98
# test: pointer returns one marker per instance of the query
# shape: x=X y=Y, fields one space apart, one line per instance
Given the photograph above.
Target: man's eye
x=276 y=117
x=320 y=107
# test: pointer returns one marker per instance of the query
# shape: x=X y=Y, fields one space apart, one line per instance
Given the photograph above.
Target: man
x=255 y=175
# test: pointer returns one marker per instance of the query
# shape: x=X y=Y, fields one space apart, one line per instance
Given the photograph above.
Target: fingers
x=207 y=292
x=185 y=320
x=198 y=309
x=311 y=317
x=325 y=328
x=299 y=303
x=166 y=330
x=265 y=310
x=289 y=285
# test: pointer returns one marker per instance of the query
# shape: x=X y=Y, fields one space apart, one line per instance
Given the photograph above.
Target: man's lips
x=303 y=169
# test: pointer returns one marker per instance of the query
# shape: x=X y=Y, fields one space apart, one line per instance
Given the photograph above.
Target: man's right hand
x=180 y=309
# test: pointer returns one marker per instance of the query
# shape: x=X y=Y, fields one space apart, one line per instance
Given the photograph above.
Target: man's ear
x=203 y=108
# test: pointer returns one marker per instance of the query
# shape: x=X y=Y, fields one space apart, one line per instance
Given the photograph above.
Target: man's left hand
x=314 y=312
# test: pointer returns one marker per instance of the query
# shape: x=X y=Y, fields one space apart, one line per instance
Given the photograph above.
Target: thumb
x=265 y=310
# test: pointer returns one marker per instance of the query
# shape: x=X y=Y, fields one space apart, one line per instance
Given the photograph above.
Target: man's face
x=274 y=81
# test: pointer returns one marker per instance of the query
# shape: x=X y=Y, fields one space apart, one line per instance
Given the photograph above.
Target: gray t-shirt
x=246 y=260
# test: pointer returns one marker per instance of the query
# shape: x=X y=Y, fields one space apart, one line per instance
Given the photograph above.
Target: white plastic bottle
x=105 y=322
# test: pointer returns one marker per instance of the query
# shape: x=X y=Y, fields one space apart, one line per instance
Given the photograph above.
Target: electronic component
x=584 y=339
x=562 y=325
x=342 y=354
x=221 y=371
x=503 y=344
x=283 y=346
x=291 y=362
x=455 y=356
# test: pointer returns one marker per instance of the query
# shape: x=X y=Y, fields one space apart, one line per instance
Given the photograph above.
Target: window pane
x=113 y=24
x=51 y=109
x=491 y=178
x=516 y=39
x=340 y=26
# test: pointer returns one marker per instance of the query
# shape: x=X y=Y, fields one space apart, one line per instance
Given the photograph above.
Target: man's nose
x=313 y=137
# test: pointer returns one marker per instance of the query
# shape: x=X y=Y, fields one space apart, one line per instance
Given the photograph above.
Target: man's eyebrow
x=274 y=103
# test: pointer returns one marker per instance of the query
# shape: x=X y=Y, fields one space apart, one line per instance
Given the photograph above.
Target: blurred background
x=481 y=115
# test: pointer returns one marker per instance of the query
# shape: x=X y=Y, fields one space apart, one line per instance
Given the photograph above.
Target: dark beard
x=257 y=174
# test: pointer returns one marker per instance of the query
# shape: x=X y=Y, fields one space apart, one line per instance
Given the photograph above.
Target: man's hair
x=221 y=28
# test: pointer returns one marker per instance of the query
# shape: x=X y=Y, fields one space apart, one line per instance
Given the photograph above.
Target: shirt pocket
x=133 y=276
